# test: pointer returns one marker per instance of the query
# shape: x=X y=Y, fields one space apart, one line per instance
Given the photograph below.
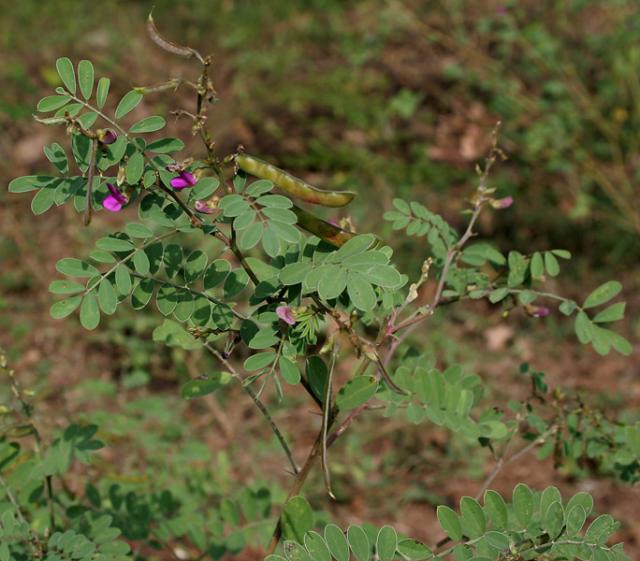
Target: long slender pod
x=292 y=185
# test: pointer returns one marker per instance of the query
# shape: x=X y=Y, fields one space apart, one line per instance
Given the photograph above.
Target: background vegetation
x=387 y=98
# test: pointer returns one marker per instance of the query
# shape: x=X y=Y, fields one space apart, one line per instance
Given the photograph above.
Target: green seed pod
x=318 y=227
x=292 y=185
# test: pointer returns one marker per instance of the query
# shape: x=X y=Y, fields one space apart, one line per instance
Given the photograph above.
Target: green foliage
x=354 y=269
x=419 y=221
x=446 y=399
x=581 y=435
x=534 y=524
x=241 y=273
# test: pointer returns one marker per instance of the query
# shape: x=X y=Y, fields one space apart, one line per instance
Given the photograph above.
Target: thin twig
x=240 y=257
x=12 y=500
x=326 y=413
x=90 y=175
x=451 y=255
x=195 y=219
x=365 y=348
x=324 y=441
x=344 y=425
x=479 y=201
x=258 y=404
x=301 y=477
x=387 y=377
x=146 y=244
x=503 y=461
x=192 y=291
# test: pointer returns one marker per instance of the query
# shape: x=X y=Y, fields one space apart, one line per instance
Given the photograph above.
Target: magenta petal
x=285 y=313
x=189 y=177
x=112 y=204
x=117 y=195
x=184 y=179
x=179 y=183
x=114 y=201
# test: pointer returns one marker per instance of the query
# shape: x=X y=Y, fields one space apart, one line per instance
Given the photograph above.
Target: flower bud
x=537 y=311
x=541 y=312
x=503 y=203
x=207 y=207
x=426 y=267
x=413 y=293
x=107 y=136
x=121 y=176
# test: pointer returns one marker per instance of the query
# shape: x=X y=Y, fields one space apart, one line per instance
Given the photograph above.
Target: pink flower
x=204 y=207
x=114 y=201
x=501 y=204
x=183 y=180
x=285 y=313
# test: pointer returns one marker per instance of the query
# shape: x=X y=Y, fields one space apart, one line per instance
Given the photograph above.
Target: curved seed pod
x=318 y=227
x=50 y=120
x=292 y=185
x=167 y=45
x=172 y=84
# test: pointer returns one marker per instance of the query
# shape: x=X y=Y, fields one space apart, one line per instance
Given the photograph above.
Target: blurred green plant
x=391 y=96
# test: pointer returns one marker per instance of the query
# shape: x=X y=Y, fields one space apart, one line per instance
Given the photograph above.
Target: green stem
x=249 y=391
x=233 y=246
x=192 y=291
x=544 y=295
x=90 y=175
x=422 y=313
x=326 y=415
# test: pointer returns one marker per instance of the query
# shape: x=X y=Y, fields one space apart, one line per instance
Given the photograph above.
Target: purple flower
x=501 y=204
x=108 y=137
x=540 y=312
x=205 y=207
x=183 y=180
x=114 y=201
x=285 y=313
